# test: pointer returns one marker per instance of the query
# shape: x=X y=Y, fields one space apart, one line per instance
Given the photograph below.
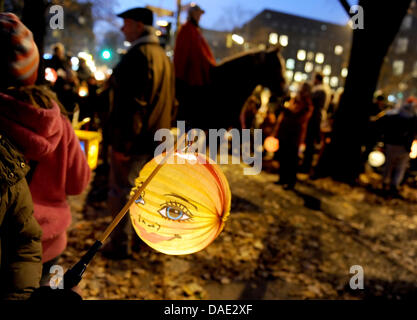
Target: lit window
x=310 y=56
x=338 y=50
x=309 y=67
x=344 y=72
x=326 y=80
x=273 y=38
x=402 y=45
x=305 y=77
x=327 y=70
x=301 y=55
x=334 y=81
x=290 y=64
x=283 y=40
x=298 y=76
x=319 y=57
x=238 y=39
x=398 y=67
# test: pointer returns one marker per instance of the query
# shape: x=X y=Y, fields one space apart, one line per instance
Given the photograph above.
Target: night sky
x=226 y=14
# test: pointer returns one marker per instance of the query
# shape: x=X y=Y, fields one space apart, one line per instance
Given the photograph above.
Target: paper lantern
x=271 y=144
x=184 y=207
x=376 y=158
x=413 y=153
x=90 y=143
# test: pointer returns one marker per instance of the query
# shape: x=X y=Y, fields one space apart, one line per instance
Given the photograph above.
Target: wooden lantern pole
x=74 y=275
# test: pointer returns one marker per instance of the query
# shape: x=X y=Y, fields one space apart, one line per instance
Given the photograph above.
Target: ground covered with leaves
x=277 y=244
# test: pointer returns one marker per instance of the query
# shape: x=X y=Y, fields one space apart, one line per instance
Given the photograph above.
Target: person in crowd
x=38 y=127
x=321 y=98
x=20 y=233
x=66 y=85
x=249 y=111
x=291 y=130
x=83 y=72
x=193 y=61
x=144 y=96
x=399 y=129
x=375 y=110
x=59 y=59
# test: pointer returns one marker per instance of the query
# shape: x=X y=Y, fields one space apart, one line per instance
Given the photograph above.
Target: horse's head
x=273 y=70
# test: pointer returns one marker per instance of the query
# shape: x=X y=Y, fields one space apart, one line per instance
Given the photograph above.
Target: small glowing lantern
x=51 y=75
x=376 y=158
x=413 y=153
x=184 y=207
x=271 y=144
x=83 y=90
x=90 y=142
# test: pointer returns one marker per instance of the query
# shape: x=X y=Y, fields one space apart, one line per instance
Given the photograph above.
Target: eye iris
x=174 y=214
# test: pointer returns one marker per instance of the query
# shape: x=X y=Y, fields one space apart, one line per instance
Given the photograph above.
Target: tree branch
x=346 y=6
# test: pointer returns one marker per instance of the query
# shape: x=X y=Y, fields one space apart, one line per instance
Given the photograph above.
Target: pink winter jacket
x=46 y=136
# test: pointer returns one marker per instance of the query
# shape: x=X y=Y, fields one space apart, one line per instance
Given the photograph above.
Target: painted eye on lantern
x=175 y=211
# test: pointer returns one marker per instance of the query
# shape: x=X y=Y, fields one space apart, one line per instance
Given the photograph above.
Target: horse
x=233 y=81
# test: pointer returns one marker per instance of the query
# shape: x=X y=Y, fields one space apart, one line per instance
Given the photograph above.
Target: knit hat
x=20 y=59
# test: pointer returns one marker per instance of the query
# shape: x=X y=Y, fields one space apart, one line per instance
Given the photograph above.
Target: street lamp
x=106 y=54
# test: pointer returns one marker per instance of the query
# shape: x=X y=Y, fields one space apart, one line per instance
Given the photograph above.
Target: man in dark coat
x=144 y=95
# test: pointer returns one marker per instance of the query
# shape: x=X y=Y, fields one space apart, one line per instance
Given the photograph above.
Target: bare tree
x=369 y=47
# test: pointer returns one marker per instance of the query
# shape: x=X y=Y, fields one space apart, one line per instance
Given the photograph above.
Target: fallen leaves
x=301 y=253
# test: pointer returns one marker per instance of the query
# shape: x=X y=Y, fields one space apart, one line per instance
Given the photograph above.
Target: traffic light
x=106 y=54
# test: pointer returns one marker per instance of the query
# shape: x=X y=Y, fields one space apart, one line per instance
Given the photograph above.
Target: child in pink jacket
x=40 y=129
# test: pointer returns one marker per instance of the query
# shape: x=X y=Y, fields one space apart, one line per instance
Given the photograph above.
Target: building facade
x=398 y=77
x=307 y=45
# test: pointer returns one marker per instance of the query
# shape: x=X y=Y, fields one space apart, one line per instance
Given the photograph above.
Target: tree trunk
x=34 y=17
x=369 y=47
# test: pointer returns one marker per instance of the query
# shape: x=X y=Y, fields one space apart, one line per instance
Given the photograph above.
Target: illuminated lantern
x=271 y=144
x=90 y=142
x=376 y=158
x=83 y=90
x=413 y=153
x=184 y=207
x=51 y=75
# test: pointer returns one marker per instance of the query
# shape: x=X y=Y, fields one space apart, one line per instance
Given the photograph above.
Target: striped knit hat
x=20 y=60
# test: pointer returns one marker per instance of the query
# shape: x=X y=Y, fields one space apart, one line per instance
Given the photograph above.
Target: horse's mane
x=240 y=55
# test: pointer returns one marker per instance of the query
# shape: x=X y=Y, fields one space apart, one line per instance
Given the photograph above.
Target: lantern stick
x=74 y=275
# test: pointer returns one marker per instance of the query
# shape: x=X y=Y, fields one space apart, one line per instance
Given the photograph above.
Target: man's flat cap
x=138 y=14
